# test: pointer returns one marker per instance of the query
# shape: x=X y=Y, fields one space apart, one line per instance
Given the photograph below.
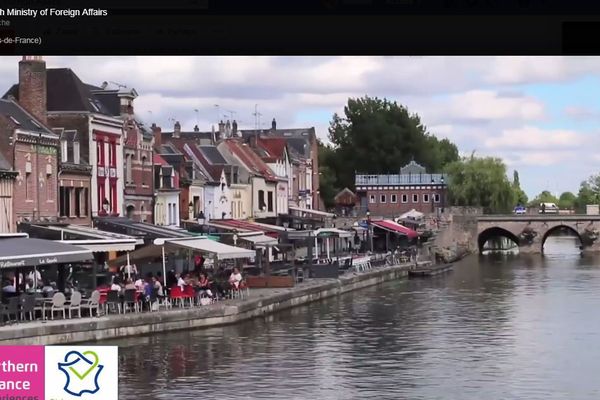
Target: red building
x=412 y=188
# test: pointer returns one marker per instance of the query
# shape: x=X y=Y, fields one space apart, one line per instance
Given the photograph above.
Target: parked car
x=520 y=210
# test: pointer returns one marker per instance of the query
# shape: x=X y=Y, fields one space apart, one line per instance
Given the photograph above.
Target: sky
x=540 y=115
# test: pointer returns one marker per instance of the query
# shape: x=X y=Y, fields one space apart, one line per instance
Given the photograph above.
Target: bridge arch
x=493 y=232
x=558 y=228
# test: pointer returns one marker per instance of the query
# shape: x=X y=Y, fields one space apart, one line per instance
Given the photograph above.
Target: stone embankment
x=259 y=303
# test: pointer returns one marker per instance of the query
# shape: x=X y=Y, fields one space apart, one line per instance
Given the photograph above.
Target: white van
x=548 y=208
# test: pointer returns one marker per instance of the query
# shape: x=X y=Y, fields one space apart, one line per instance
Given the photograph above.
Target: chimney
x=221 y=128
x=234 y=127
x=177 y=130
x=228 y=129
x=214 y=135
x=196 y=129
x=32 y=86
x=253 y=140
x=274 y=124
x=157 y=135
x=126 y=102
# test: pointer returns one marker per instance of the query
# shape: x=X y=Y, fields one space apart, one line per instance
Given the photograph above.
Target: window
x=405 y=198
x=27 y=187
x=113 y=154
x=415 y=198
x=84 y=202
x=382 y=198
x=128 y=159
x=270 y=201
x=393 y=198
x=372 y=199
x=78 y=193
x=70 y=152
x=425 y=198
x=144 y=170
x=49 y=186
x=76 y=153
x=64 y=150
x=261 y=199
x=62 y=194
x=436 y=197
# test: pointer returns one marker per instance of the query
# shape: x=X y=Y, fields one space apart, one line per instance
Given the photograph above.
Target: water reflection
x=496 y=327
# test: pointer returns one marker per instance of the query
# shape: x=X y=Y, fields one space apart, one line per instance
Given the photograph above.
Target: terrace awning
x=220 y=250
x=332 y=232
x=391 y=226
x=28 y=252
x=104 y=245
x=313 y=212
x=258 y=239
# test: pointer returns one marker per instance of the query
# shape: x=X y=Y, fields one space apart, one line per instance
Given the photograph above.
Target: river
x=494 y=328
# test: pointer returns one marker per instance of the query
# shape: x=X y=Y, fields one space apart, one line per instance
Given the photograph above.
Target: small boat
x=430 y=270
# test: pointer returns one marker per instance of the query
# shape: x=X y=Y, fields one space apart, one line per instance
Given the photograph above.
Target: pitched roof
x=250 y=159
x=158 y=160
x=273 y=148
x=66 y=92
x=20 y=116
x=213 y=170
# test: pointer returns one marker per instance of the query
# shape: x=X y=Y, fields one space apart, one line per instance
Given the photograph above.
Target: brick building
x=412 y=188
x=138 y=144
x=72 y=105
x=30 y=150
x=7 y=183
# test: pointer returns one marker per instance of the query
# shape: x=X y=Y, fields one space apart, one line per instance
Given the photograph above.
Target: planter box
x=270 y=281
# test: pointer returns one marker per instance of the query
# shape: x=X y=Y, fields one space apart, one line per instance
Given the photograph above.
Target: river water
x=494 y=328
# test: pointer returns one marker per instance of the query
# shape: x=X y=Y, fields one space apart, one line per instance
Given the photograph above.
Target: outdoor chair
x=92 y=303
x=28 y=306
x=112 y=299
x=58 y=304
x=12 y=308
x=130 y=298
x=74 y=304
x=177 y=296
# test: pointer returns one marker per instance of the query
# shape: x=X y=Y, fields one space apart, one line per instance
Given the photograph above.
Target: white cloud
x=533 y=138
x=489 y=105
x=539 y=158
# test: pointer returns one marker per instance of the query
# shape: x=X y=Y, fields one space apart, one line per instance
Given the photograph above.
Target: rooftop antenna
x=218 y=113
x=121 y=86
x=257 y=116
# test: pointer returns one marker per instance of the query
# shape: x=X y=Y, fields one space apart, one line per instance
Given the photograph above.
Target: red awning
x=394 y=227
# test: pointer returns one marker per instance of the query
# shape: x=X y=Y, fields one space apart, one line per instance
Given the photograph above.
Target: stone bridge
x=529 y=232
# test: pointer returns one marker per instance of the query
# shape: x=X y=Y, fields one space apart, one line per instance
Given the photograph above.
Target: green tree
x=521 y=196
x=480 y=182
x=589 y=193
x=380 y=136
x=544 y=197
x=327 y=180
x=567 y=201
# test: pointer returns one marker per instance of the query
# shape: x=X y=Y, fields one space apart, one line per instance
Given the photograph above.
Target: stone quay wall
x=260 y=302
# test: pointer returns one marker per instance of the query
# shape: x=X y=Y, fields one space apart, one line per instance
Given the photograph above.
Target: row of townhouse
x=71 y=151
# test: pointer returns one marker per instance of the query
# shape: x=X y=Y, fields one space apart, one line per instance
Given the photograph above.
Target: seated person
x=9 y=287
x=235 y=278
x=139 y=284
x=129 y=285
x=158 y=287
x=180 y=282
x=115 y=285
x=48 y=289
x=204 y=285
